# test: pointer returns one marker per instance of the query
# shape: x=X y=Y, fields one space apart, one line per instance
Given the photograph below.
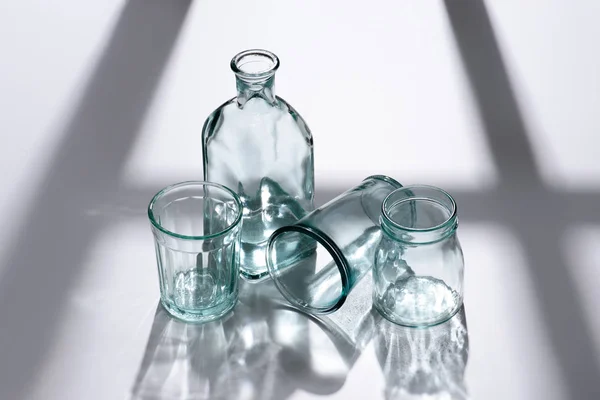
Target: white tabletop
x=103 y=103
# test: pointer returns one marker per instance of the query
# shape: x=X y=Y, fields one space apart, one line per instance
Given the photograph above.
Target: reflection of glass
x=264 y=350
x=424 y=363
x=418 y=271
x=182 y=361
x=317 y=261
x=259 y=146
x=196 y=231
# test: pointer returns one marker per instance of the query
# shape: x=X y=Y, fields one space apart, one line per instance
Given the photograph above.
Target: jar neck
x=249 y=88
x=419 y=215
x=418 y=236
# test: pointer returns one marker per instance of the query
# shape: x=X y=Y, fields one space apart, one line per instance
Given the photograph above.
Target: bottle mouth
x=255 y=64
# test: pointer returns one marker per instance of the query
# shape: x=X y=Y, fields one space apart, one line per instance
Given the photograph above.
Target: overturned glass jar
x=317 y=261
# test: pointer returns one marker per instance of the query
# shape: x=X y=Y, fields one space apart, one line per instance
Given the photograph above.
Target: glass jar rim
x=236 y=63
x=386 y=208
x=336 y=255
x=170 y=188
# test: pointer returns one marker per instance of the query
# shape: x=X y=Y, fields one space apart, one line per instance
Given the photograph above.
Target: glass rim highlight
x=387 y=179
x=170 y=188
x=334 y=252
x=386 y=207
x=236 y=67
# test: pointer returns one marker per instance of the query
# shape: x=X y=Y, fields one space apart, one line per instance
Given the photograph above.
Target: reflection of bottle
x=260 y=147
x=423 y=363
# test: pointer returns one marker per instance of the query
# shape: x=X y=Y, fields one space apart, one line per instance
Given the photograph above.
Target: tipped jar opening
x=255 y=64
x=419 y=208
x=195 y=210
x=308 y=269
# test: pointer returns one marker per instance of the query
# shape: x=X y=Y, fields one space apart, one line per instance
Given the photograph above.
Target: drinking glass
x=196 y=229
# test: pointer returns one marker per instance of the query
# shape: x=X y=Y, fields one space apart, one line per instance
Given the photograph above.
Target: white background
x=497 y=102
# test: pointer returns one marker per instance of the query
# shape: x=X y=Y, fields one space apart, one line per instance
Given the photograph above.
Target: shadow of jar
x=424 y=363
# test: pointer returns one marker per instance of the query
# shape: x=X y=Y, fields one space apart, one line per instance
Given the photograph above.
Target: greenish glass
x=317 y=261
x=196 y=227
x=259 y=146
x=419 y=265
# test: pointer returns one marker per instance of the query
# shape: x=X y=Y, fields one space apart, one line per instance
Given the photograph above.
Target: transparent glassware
x=419 y=265
x=424 y=363
x=317 y=261
x=196 y=227
x=259 y=146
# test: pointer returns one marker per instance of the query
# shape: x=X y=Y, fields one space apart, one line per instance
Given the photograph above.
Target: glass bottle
x=259 y=146
x=317 y=261
x=419 y=265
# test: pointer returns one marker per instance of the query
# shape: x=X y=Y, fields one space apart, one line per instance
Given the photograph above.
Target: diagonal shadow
x=536 y=215
x=48 y=250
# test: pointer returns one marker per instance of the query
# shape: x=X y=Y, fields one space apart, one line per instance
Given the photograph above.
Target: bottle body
x=260 y=147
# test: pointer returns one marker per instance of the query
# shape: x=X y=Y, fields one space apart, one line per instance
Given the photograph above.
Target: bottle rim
x=255 y=64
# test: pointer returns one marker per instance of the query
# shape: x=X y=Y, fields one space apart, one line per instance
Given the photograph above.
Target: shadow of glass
x=535 y=213
x=47 y=252
x=264 y=350
x=424 y=363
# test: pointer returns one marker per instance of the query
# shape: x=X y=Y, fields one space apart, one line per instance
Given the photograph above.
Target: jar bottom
x=418 y=302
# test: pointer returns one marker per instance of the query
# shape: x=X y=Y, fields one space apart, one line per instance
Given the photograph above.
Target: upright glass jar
x=259 y=146
x=419 y=266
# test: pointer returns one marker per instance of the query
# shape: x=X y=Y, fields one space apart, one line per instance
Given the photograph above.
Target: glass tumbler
x=317 y=261
x=419 y=266
x=196 y=229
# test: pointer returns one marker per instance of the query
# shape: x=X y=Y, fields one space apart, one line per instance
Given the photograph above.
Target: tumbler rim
x=386 y=208
x=169 y=188
x=334 y=252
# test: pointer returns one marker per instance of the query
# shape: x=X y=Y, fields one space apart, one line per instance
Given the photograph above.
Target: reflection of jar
x=418 y=269
x=424 y=363
x=275 y=349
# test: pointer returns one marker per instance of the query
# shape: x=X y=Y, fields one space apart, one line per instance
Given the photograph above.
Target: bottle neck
x=248 y=88
x=255 y=75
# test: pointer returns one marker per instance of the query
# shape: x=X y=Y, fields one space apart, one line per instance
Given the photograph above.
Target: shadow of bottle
x=264 y=350
x=424 y=363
